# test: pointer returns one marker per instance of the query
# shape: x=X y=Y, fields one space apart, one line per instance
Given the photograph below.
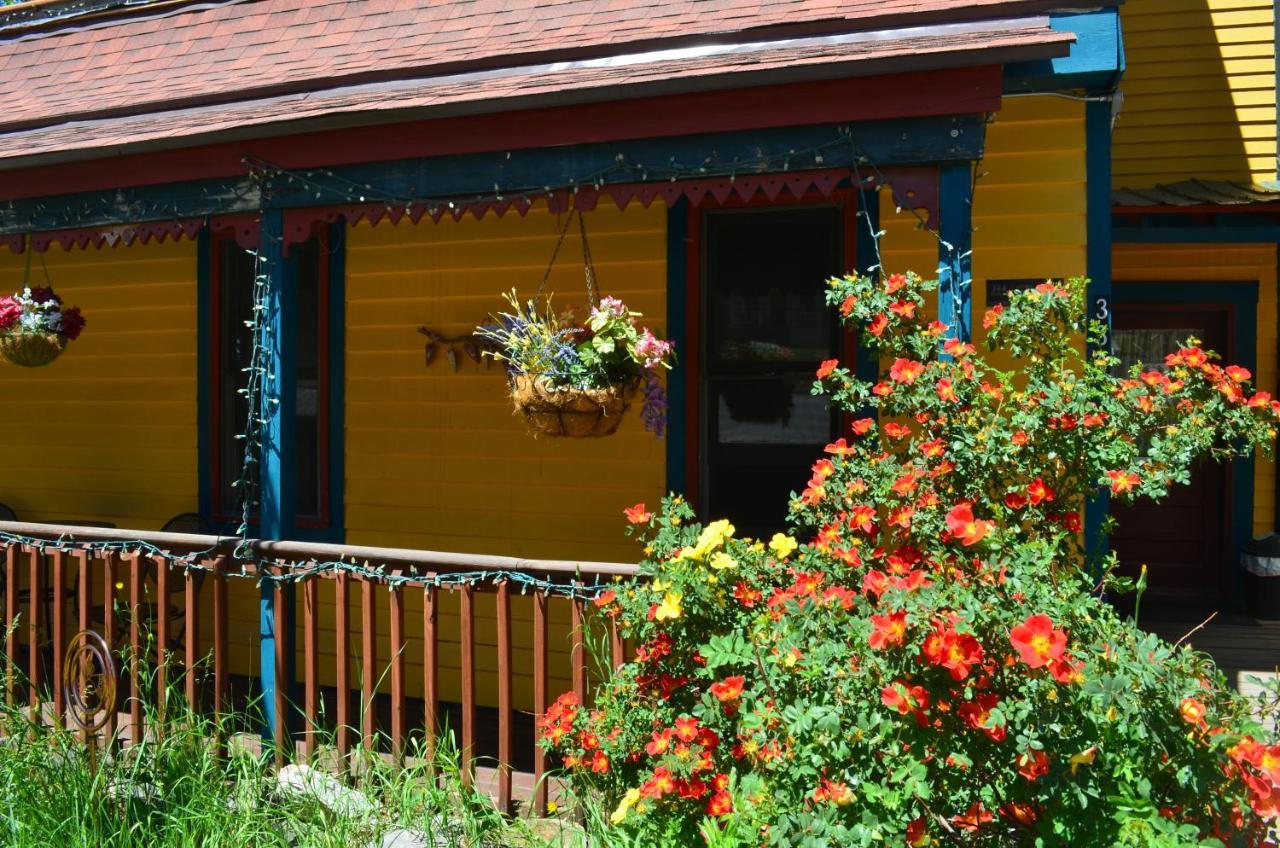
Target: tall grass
x=171 y=789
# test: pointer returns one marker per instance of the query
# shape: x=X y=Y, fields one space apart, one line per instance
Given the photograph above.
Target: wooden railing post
x=342 y=624
x=10 y=622
x=58 y=627
x=467 y=647
x=311 y=661
x=539 y=698
x=368 y=664
x=503 y=602
x=395 y=603
x=430 y=666
x=35 y=594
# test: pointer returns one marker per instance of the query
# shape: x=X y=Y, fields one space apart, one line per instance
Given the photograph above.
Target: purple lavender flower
x=653 y=411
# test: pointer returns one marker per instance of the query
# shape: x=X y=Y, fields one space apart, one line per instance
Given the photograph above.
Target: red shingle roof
x=522 y=88
x=80 y=79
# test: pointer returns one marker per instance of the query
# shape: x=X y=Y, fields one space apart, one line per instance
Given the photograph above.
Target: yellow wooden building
x=402 y=165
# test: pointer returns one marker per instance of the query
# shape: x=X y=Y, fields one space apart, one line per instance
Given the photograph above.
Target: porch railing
x=139 y=589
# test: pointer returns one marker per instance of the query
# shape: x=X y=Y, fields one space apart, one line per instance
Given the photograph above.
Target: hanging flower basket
x=573 y=413
x=35 y=327
x=32 y=350
x=572 y=377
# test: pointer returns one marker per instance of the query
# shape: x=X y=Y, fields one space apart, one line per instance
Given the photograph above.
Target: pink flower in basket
x=10 y=312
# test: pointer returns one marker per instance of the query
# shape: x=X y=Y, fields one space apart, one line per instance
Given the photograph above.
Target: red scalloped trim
x=914 y=187
x=126 y=234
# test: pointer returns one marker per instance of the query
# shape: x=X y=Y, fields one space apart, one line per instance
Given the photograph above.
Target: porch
x=422 y=643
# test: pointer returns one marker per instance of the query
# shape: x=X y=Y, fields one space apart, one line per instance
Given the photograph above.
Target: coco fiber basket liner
x=572 y=413
x=32 y=350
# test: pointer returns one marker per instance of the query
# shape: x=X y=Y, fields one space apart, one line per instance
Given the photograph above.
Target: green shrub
x=925 y=659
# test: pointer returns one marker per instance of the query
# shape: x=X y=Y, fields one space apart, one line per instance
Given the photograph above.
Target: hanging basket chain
x=588 y=269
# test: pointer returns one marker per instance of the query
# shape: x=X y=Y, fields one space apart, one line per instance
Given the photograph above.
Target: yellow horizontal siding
x=108 y=431
x=1199 y=92
x=1029 y=205
x=1217 y=264
x=436 y=459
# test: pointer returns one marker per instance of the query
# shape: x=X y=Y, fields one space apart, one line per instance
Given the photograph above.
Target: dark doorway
x=766 y=328
x=1183 y=539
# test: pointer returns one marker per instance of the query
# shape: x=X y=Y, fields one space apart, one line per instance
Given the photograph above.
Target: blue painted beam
x=904 y=141
x=1095 y=63
x=276 y=464
x=955 y=248
x=1098 y=266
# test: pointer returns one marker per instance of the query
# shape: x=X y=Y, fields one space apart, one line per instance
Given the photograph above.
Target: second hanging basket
x=32 y=350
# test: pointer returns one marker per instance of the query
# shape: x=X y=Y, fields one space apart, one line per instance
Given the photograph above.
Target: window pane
x=765 y=295
x=1149 y=346
x=777 y=411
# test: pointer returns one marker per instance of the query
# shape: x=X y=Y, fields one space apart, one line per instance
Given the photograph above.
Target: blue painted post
x=867 y=367
x=277 y=406
x=955 y=233
x=1098 y=265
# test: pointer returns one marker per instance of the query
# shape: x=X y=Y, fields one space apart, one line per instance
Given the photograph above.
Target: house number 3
x=1103 y=314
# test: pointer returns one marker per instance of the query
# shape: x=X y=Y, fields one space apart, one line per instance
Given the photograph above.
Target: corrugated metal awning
x=1190 y=193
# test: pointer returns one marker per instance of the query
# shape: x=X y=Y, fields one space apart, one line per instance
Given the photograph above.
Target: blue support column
x=277 y=407
x=867 y=367
x=1098 y=264
x=955 y=248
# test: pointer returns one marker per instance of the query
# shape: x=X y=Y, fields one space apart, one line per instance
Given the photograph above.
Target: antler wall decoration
x=469 y=343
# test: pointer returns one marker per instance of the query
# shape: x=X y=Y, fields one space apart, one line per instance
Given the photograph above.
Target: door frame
x=685 y=251
x=1241 y=300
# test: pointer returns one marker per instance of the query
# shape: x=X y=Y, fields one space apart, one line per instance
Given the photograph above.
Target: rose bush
x=925 y=658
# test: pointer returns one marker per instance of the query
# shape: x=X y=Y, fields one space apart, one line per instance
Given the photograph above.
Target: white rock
x=302 y=781
x=401 y=838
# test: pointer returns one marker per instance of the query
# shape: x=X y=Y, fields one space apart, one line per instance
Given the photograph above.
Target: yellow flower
x=711 y=537
x=782 y=545
x=669 y=608
x=1084 y=758
x=552 y=807
x=628 y=801
x=721 y=560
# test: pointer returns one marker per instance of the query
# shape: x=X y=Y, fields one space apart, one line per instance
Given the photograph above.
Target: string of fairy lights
x=270 y=181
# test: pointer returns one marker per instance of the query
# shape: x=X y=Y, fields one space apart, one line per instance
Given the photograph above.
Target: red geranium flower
x=963 y=526
x=878 y=324
x=888 y=630
x=637 y=514
x=1037 y=641
x=1122 y=481
x=1039 y=492
x=721 y=804
x=905 y=370
x=729 y=689
x=1033 y=765
x=827 y=366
